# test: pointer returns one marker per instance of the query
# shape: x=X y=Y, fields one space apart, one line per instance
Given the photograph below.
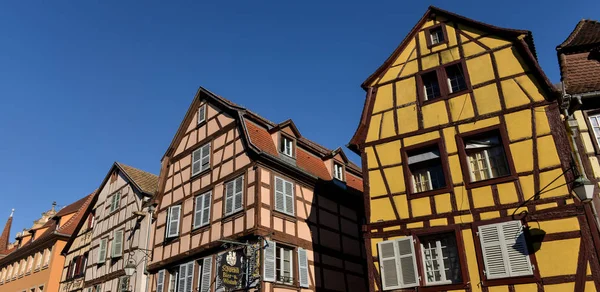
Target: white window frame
x=201 y=118
x=338 y=171
x=287 y=146
x=283 y=198
x=488 y=163
x=236 y=195
x=160 y=281
x=597 y=119
x=202 y=209
x=435 y=41
x=281 y=272
x=170 y=219
x=199 y=156
x=439 y=260
x=115 y=201
x=173 y=280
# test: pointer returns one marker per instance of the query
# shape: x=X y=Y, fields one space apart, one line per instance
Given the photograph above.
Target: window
x=284 y=196
x=173 y=280
x=82 y=265
x=160 y=281
x=202 y=114
x=9 y=274
x=123 y=284
x=15 y=270
x=398 y=263
x=3 y=275
x=436 y=35
x=201 y=159
x=33 y=235
x=117 y=244
x=595 y=123
x=38 y=264
x=91 y=220
x=504 y=250
x=115 y=201
x=279 y=264
x=425 y=168
x=234 y=195
x=98 y=288
x=186 y=277
x=431 y=86
x=23 y=267
x=102 y=251
x=287 y=146
x=455 y=78
x=441 y=264
x=202 y=210
x=29 y=264
x=486 y=157
x=205 y=278
x=338 y=171
x=173 y=221
x=41 y=288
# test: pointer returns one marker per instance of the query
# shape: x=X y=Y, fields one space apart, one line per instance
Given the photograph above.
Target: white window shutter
x=269 y=261
x=198 y=211
x=196 y=163
x=182 y=277
x=407 y=261
x=207 y=200
x=494 y=260
x=206 y=275
x=189 y=278
x=160 y=281
x=229 y=197
x=205 y=159
x=516 y=248
x=117 y=246
x=279 y=200
x=302 y=268
x=173 y=228
x=390 y=278
x=239 y=191
x=289 y=197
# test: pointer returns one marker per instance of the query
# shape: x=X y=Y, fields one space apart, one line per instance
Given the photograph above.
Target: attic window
x=436 y=35
x=338 y=171
x=287 y=146
x=202 y=114
x=431 y=86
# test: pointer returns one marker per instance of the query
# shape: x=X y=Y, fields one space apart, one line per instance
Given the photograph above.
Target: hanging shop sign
x=230 y=270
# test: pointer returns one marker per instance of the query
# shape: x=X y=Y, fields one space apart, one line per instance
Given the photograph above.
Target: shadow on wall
x=335 y=223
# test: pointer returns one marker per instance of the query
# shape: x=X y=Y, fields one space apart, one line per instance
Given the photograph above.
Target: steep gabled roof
x=145 y=182
x=586 y=33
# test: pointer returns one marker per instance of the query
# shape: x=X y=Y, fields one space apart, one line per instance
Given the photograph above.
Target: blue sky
x=86 y=83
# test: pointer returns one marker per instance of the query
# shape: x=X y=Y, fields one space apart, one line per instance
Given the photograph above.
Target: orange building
x=245 y=203
x=33 y=263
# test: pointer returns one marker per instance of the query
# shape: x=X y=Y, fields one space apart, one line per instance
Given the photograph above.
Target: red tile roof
x=579 y=58
x=311 y=164
x=260 y=138
x=586 y=32
x=5 y=237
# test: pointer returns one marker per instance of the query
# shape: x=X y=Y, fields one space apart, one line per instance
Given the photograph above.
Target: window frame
x=242 y=194
x=428 y=30
x=292 y=251
x=283 y=136
x=114 y=202
x=587 y=114
x=342 y=169
x=442 y=76
x=199 y=149
x=480 y=263
x=500 y=129
x=100 y=260
x=114 y=254
x=168 y=236
x=274 y=197
x=200 y=122
x=203 y=209
x=444 y=164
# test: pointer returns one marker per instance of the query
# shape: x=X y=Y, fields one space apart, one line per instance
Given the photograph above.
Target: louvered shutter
x=516 y=247
x=160 y=281
x=494 y=260
x=302 y=268
x=408 y=262
x=196 y=163
x=289 y=197
x=269 y=261
x=182 y=277
x=117 y=247
x=198 y=211
x=189 y=279
x=205 y=159
x=229 y=197
x=390 y=278
x=206 y=208
x=239 y=185
x=102 y=251
x=173 y=229
x=206 y=274
x=279 y=200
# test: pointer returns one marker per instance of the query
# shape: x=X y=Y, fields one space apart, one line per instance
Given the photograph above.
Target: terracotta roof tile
x=147 y=182
x=581 y=72
x=261 y=138
x=311 y=164
x=354 y=182
x=5 y=237
x=586 y=32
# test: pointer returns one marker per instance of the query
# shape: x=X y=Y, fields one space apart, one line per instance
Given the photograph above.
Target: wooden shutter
x=189 y=278
x=279 y=200
x=516 y=248
x=102 y=251
x=390 y=278
x=205 y=158
x=289 y=197
x=117 y=246
x=504 y=250
x=182 y=276
x=198 y=211
x=229 y=197
x=302 y=268
x=269 y=261
x=207 y=200
x=173 y=228
x=494 y=260
x=160 y=281
x=206 y=275
x=408 y=262
x=239 y=187
x=196 y=163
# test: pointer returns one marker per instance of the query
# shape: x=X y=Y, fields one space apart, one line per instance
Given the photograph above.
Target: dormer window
x=287 y=146
x=202 y=114
x=338 y=171
x=436 y=35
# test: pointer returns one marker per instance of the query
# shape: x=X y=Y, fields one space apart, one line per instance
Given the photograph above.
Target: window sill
x=445 y=97
x=234 y=215
x=200 y=229
x=201 y=173
x=284 y=215
x=437 y=45
x=283 y=285
x=491 y=181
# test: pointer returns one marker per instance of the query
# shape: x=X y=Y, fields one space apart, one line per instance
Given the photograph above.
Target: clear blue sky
x=85 y=83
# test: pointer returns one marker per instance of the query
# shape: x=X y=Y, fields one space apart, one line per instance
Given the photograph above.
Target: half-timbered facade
x=468 y=170
x=120 y=220
x=245 y=203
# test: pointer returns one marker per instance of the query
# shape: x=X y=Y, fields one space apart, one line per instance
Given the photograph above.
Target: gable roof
x=144 y=181
x=586 y=33
x=523 y=40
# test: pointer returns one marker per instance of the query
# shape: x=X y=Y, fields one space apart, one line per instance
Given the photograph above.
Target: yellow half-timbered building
x=468 y=172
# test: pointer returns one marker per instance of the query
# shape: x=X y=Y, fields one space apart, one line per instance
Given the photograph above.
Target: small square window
x=287 y=146
x=486 y=157
x=456 y=78
x=338 y=171
x=436 y=35
x=431 y=86
x=425 y=167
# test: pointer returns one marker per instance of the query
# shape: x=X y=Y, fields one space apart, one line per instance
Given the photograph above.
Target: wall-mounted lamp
x=130 y=268
x=583 y=188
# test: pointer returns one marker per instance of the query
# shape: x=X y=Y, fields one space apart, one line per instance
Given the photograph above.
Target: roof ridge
x=135 y=168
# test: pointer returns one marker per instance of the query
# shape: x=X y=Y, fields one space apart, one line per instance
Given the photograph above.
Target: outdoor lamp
x=583 y=188
x=130 y=268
